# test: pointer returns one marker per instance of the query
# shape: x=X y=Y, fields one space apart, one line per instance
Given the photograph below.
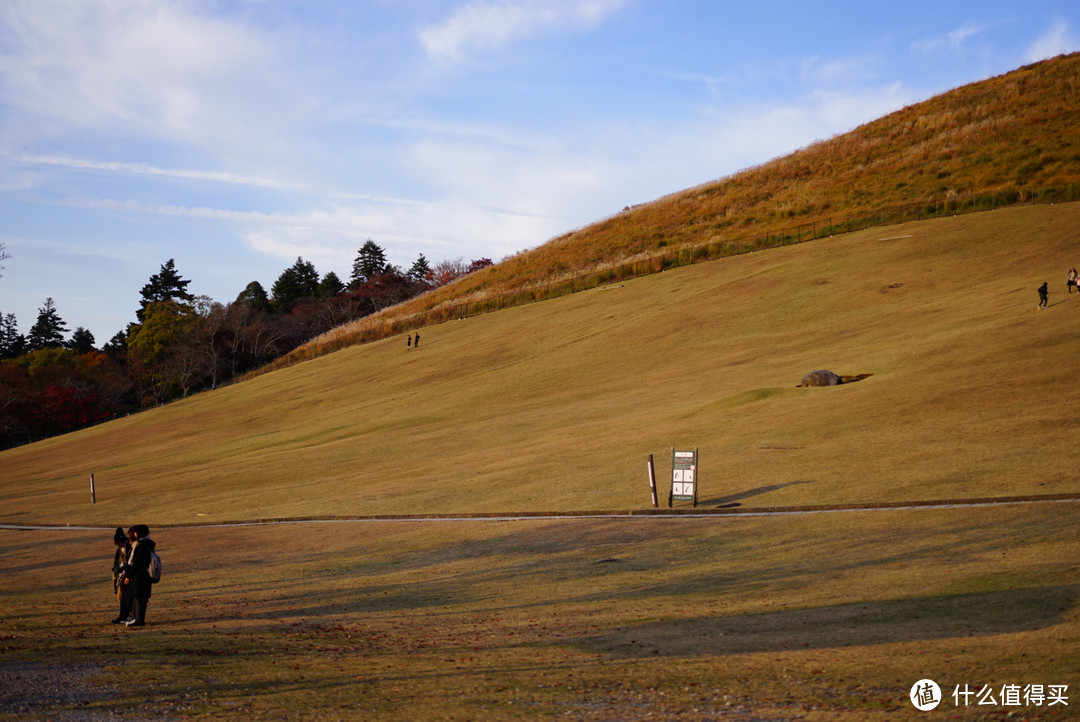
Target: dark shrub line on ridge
x=710 y=251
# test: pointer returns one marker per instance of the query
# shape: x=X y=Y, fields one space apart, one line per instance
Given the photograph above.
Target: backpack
x=155 y=567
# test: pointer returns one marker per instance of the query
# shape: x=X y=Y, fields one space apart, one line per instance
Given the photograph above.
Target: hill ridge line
x=386 y=324
x=595 y=514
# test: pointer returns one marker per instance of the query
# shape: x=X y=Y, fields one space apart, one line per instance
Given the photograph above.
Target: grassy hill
x=968 y=391
x=1008 y=139
x=554 y=406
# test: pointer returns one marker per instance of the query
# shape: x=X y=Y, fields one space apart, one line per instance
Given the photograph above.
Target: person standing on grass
x=122 y=591
x=416 y=342
x=1043 y=295
x=136 y=574
x=1071 y=283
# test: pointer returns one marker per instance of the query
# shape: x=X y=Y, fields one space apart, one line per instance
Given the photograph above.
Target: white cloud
x=493 y=201
x=139 y=169
x=155 y=68
x=958 y=37
x=952 y=42
x=491 y=24
x=834 y=70
x=329 y=237
x=507 y=181
x=729 y=139
x=439 y=230
x=1057 y=39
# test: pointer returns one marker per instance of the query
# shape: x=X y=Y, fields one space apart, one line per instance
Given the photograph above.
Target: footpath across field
x=812 y=616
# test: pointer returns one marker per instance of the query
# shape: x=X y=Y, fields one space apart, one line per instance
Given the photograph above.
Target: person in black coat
x=136 y=574
x=122 y=591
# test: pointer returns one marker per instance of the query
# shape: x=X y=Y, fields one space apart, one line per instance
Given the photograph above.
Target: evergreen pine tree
x=12 y=343
x=48 y=331
x=254 y=295
x=300 y=280
x=117 y=345
x=370 y=262
x=331 y=285
x=166 y=285
x=82 y=341
x=419 y=269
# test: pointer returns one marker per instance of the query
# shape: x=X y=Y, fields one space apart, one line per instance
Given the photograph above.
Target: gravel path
x=37 y=690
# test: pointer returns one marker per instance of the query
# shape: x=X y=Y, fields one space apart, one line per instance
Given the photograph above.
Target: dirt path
x=726 y=511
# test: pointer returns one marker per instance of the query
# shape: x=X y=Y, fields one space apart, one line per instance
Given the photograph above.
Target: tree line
x=52 y=382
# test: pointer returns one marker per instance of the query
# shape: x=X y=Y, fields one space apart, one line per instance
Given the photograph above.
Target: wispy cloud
x=832 y=71
x=143 y=169
x=340 y=219
x=810 y=71
x=1058 y=38
x=330 y=236
x=952 y=42
x=491 y=24
x=148 y=68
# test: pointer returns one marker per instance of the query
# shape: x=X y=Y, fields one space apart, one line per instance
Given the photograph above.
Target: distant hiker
x=136 y=575
x=1043 y=295
x=408 y=341
x=122 y=592
x=1071 y=283
x=416 y=343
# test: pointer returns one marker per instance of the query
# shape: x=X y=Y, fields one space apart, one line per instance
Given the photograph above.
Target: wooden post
x=671 y=487
x=697 y=474
x=93 y=495
x=652 y=481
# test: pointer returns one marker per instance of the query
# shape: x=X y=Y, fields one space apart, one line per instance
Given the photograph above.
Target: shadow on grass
x=296 y=603
x=843 y=625
x=437 y=652
x=751 y=493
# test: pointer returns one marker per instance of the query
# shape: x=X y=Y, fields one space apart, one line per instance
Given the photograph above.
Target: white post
x=652 y=481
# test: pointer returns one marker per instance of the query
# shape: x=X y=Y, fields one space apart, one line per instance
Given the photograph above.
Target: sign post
x=684 y=476
x=652 y=481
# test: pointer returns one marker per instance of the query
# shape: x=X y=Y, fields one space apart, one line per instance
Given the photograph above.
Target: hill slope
x=554 y=406
x=1007 y=139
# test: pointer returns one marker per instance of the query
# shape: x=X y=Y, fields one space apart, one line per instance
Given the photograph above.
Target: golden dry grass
x=553 y=407
x=1012 y=137
x=821 y=616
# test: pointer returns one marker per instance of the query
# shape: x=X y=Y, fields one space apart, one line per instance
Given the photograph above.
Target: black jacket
x=136 y=568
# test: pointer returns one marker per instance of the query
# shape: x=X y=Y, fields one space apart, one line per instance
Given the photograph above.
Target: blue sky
x=237 y=135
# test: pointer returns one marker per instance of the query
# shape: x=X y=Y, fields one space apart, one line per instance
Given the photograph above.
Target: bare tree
x=446 y=272
x=3 y=257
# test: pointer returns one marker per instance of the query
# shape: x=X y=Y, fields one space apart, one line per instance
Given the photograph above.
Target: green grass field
x=971 y=392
